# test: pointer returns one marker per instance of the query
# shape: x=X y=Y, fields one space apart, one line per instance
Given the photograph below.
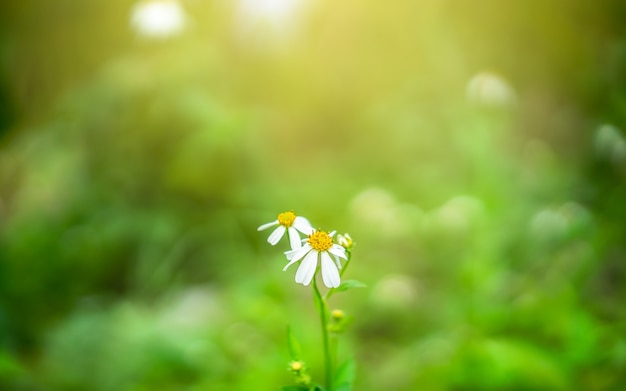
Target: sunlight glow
x=490 y=90
x=610 y=144
x=158 y=18
x=263 y=20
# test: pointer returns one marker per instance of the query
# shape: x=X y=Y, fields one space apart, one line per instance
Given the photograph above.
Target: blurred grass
x=488 y=219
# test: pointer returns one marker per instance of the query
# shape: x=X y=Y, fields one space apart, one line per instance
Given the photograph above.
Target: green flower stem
x=345 y=265
x=323 y=309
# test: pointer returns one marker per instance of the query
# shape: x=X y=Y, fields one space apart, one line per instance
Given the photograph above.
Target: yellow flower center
x=286 y=219
x=320 y=241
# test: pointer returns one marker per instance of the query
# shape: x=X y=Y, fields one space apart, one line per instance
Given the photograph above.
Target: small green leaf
x=349 y=284
x=345 y=375
x=294 y=346
x=295 y=388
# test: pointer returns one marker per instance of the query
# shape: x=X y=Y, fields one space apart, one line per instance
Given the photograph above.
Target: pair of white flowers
x=317 y=247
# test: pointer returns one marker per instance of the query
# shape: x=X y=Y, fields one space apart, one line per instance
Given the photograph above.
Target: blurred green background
x=473 y=150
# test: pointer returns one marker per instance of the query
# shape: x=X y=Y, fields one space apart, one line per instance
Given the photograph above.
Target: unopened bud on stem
x=345 y=241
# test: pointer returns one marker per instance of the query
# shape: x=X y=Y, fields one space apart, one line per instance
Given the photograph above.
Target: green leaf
x=345 y=375
x=349 y=284
x=294 y=346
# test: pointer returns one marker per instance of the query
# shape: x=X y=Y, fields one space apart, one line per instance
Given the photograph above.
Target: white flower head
x=318 y=246
x=289 y=222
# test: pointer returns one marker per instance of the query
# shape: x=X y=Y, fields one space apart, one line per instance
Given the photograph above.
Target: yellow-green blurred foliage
x=473 y=150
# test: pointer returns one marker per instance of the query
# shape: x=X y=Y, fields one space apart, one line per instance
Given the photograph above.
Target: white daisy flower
x=319 y=245
x=288 y=221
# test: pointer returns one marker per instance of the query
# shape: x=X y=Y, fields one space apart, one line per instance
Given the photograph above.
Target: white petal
x=338 y=251
x=298 y=253
x=276 y=235
x=306 y=271
x=266 y=226
x=337 y=261
x=332 y=234
x=296 y=259
x=303 y=225
x=294 y=238
x=330 y=274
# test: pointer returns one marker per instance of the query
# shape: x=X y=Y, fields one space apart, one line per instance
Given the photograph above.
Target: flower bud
x=300 y=373
x=296 y=366
x=345 y=241
x=337 y=315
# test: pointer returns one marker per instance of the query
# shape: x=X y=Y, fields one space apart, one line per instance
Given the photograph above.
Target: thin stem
x=345 y=265
x=323 y=309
